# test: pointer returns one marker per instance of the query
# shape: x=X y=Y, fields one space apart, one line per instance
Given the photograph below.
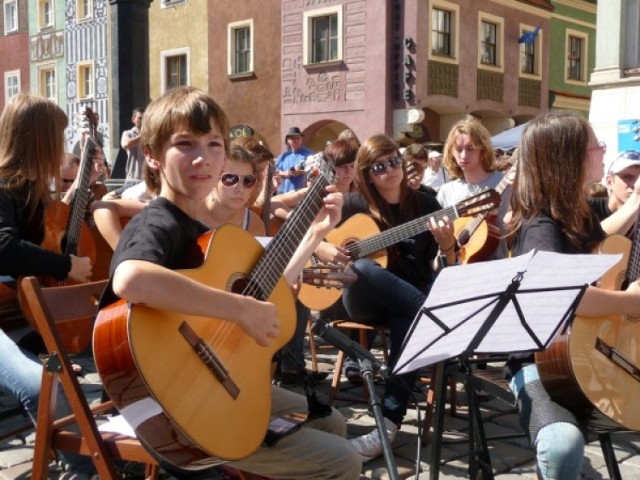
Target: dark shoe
x=352 y=372
x=296 y=378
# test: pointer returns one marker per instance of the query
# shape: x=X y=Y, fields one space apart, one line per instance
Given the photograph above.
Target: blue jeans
x=20 y=374
x=379 y=297
x=560 y=445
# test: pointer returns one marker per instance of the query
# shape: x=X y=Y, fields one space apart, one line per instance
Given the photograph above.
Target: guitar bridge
x=210 y=359
x=617 y=358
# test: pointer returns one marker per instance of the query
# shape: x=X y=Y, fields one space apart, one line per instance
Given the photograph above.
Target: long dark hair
x=372 y=149
x=31 y=146
x=551 y=174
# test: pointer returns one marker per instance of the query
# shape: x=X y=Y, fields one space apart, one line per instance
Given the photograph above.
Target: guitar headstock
x=483 y=201
x=329 y=276
x=318 y=164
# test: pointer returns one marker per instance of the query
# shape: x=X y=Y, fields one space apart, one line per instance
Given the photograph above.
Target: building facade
x=14 y=45
x=615 y=104
x=86 y=65
x=572 y=54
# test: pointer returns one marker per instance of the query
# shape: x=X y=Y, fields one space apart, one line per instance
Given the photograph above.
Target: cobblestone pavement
x=511 y=459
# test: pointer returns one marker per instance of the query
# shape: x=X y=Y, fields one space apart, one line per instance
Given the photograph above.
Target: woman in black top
x=31 y=149
x=560 y=158
x=392 y=296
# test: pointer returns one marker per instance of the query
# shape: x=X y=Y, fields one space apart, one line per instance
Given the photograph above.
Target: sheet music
x=117 y=424
x=463 y=297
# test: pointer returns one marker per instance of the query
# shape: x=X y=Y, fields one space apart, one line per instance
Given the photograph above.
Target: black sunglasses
x=380 y=168
x=231 y=179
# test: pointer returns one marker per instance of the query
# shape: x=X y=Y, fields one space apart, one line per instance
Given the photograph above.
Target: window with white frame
x=444 y=25
x=86 y=80
x=10 y=16
x=47 y=82
x=576 y=57
x=441 y=32
x=11 y=84
x=530 y=53
x=45 y=13
x=322 y=35
x=174 y=68
x=84 y=10
x=240 y=47
x=490 y=41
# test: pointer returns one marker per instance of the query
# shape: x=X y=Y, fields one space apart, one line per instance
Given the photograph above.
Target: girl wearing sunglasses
x=392 y=295
x=229 y=199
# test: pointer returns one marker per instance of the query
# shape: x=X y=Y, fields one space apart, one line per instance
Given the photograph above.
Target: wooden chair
x=53 y=309
x=363 y=330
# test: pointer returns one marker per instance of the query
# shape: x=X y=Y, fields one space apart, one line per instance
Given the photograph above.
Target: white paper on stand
x=463 y=296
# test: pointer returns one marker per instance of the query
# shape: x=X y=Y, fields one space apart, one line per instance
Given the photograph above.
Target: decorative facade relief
x=47 y=46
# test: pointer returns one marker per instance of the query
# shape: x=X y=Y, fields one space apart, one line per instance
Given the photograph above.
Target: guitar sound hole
x=244 y=286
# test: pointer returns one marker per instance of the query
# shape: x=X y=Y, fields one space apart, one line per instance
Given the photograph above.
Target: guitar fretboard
x=269 y=269
x=389 y=237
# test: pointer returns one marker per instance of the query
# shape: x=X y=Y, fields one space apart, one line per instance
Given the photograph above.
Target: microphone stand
x=368 y=365
x=366 y=368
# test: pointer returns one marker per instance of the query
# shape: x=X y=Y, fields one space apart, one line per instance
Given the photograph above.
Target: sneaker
x=352 y=372
x=369 y=446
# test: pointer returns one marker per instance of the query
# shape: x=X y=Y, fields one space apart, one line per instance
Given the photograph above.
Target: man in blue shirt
x=290 y=164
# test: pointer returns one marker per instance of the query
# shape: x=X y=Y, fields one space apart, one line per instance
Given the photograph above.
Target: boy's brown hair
x=181 y=107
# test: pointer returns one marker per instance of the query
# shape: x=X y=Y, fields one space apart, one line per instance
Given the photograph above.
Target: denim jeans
x=379 y=297
x=20 y=374
x=559 y=446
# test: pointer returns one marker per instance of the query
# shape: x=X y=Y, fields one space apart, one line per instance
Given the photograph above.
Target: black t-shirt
x=21 y=234
x=543 y=233
x=409 y=259
x=162 y=234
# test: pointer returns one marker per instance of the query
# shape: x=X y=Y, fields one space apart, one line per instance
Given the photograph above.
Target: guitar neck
x=280 y=250
x=374 y=243
x=472 y=226
x=633 y=268
x=268 y=192
x=79 y=202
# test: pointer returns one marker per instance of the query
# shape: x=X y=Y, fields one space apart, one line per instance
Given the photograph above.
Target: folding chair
x=54 y=310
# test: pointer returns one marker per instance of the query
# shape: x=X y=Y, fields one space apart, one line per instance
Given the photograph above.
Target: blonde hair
x=31 y=146
x=481 y=139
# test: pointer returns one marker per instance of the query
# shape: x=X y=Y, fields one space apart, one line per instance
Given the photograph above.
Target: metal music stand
x=490 y=316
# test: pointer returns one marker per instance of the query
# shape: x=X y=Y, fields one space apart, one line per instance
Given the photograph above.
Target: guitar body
x=579 y=375
x=11 y=316
x=177 y=406
x=55 y=223
x=482 y=242
x=355 y=228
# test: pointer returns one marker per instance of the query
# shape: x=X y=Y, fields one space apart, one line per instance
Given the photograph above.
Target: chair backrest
x=64 y=311
x=68 y=310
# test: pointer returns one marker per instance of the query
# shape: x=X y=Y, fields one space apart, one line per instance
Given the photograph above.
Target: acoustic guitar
x=593 y=366
x=361 y=236
x=479 y=236
x=197 y=390
x=67 y=233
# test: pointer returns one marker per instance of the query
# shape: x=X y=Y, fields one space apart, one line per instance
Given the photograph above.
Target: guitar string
x=262 y=278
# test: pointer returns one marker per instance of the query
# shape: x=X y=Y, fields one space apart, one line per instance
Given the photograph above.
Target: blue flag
x=528 y=38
